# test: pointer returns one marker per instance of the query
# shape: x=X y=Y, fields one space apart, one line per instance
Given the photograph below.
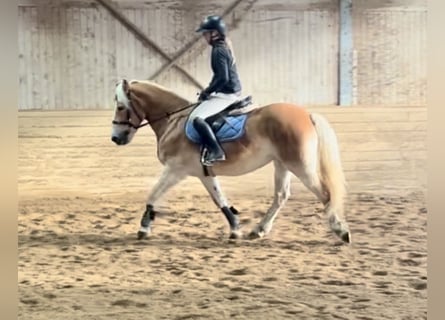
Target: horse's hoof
x=346 y=237
x=256 y=234
x=142 y=235
x=144 y=232
x=235 y=234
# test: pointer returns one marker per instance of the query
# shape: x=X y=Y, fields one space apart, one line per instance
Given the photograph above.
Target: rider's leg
x=215 y=151
x=215 y=104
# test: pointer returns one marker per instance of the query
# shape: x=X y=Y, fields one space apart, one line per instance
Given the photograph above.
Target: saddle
x=217 y=121
x=225 y=125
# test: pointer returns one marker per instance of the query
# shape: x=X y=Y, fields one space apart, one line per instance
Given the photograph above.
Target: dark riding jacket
x=225 y=76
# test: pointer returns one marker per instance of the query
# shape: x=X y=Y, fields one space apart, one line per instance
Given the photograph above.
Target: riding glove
x=203 y=96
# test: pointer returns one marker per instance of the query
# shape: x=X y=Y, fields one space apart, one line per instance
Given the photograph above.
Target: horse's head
x=128 y=114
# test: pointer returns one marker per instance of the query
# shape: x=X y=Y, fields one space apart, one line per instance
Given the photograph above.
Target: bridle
x=141 y=118
x=128 y=121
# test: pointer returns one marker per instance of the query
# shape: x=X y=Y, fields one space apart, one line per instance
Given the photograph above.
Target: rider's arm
x=220 y=67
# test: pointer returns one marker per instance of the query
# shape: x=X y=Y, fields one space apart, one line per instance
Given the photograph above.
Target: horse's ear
x=125 y=86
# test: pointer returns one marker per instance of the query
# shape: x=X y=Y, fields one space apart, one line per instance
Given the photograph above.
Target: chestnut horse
x=297 y=142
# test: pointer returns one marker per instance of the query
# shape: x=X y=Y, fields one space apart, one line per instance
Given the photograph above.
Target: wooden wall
x=72 y=52
x=391 y=52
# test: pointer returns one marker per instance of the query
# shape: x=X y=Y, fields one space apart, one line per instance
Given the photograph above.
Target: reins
x=167 y=115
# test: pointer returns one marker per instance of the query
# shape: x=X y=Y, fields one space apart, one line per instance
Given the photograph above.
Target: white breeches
x=216 y=103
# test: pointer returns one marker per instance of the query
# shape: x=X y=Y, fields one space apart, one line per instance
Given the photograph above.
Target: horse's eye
x=120 y=108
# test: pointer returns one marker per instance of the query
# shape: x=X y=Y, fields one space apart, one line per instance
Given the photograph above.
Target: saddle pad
x=232 y=129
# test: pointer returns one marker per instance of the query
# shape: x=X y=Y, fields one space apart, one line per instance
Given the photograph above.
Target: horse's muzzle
x=119 y=140
x=115 y=139
x=121 y=137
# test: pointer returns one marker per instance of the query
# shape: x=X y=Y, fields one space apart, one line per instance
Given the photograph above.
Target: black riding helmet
x=213 y=23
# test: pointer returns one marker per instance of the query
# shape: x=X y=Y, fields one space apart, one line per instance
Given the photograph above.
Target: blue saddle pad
x=232 y=129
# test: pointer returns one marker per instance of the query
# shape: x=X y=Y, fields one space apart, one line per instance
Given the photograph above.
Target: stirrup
x=207 y=162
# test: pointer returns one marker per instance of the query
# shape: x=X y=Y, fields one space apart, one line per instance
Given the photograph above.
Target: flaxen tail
x=330 y=168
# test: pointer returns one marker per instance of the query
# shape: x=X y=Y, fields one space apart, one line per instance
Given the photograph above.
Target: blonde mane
x=165 y=91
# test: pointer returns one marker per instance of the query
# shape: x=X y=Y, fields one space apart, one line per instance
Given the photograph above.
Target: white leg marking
x=168 y=179
x=145 y=229
x=309 y=176
x=282 y=193
x=214 y=189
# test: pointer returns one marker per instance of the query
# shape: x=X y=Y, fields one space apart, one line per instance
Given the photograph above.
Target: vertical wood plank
x=136 y=46
x=23 y=80
x=78 y=55
x=131 y=47
x=72 y=45
x=94 y=74
x=118 y=48
x=143 y=56
x=28 y=56
x=83 y=58
x=111 y=46
x=303 y=57
x=345 y=95
x=56 y=39
x=35 y=64
x=40 y=48
x=86 y=64
x=64 y=72
x=106 y=56
x=99 y=60
x=50 y=56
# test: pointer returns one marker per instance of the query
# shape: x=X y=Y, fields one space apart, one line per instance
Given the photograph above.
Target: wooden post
x=346 y=53
x=107 y=4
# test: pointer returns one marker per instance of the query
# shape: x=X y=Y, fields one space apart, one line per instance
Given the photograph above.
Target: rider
x=224 y=88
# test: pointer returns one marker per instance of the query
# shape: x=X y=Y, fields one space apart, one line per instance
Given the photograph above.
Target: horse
x=297 y=142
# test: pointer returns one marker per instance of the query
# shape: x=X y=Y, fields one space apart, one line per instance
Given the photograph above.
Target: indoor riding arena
x=361 y=64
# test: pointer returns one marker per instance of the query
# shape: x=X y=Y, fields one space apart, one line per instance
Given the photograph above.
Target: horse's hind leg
x=214 y=189
x=309 y=177
x=282 y=193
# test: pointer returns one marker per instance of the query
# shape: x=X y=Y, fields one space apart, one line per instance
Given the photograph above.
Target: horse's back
x=287 y=126
x=277 y=116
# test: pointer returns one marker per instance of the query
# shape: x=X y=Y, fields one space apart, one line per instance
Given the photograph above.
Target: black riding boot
x=215 y=151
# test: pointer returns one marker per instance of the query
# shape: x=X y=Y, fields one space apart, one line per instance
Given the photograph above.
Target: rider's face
x=207 y=35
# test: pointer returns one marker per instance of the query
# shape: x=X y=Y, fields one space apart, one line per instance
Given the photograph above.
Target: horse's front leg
x=168 y=179
x=214 y=189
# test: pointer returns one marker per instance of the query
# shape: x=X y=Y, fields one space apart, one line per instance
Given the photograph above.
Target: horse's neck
x=158 y=104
